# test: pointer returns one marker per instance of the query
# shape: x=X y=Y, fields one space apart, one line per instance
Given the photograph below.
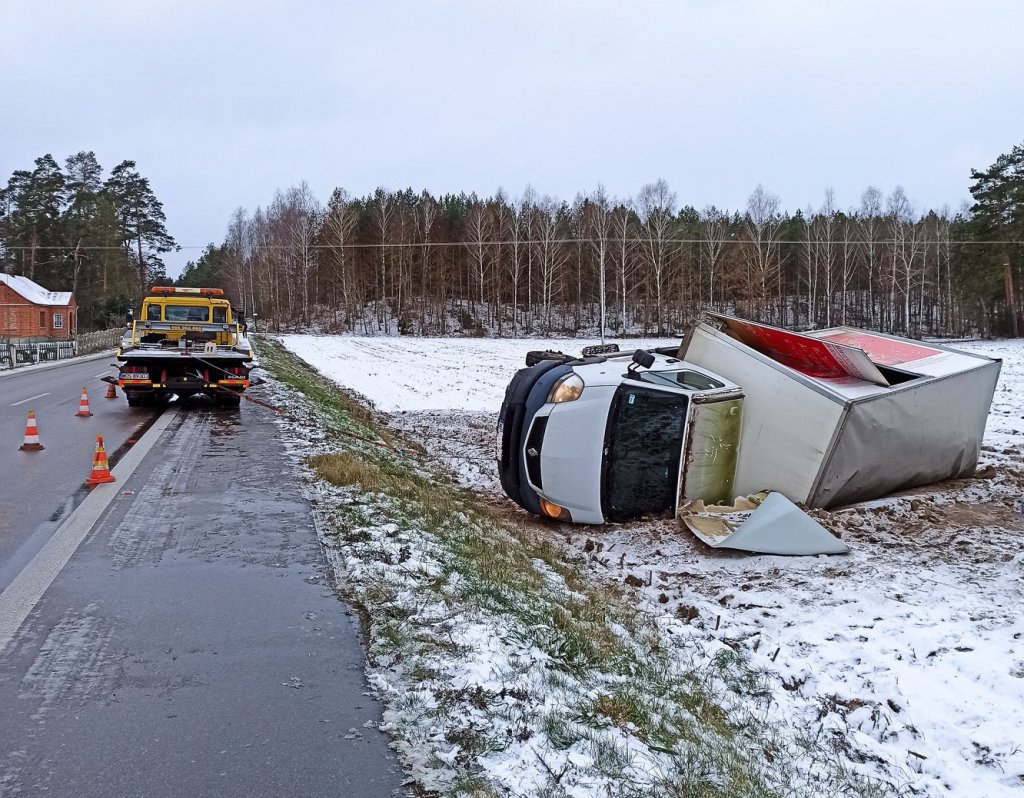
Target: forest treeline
x=69 y=228
x=536 y=265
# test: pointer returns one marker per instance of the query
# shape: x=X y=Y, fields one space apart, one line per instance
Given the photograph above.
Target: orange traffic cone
x=83 y=405
x=100 y=471
x=31 y=443
x=111 y=391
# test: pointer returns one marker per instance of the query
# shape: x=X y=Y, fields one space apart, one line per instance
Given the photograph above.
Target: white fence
x=25 y=352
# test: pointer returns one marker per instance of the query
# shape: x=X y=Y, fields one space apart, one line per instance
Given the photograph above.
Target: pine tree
x=31 y=219
x=83 y=235
x=143 y=224
x=998 y=220
x=207 y=271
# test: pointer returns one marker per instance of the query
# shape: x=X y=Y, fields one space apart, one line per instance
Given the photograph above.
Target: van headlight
x=567 y=389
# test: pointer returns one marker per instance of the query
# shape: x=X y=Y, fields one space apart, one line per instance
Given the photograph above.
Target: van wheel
x=536 y=356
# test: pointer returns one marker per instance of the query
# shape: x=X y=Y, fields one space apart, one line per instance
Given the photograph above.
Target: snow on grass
x=505 y=672
x=903 y=660
x=430 y=373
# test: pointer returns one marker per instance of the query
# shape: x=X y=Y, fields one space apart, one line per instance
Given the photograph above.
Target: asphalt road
x=194 y=644
x=38 y=489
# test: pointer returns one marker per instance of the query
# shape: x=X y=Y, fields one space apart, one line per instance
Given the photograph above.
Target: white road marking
x=25 y=590
x=40 y=396
x=104 y=374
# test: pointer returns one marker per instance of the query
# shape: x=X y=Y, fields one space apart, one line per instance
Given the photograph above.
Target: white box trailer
x=843 y=415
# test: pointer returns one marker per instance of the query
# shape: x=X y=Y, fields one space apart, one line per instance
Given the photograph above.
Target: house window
x=58 y=321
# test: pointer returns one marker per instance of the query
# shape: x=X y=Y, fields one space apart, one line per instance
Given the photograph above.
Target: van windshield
x=642 y=450
x=682 y=378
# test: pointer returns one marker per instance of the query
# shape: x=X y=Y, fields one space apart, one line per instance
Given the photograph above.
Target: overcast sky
x=221 y=103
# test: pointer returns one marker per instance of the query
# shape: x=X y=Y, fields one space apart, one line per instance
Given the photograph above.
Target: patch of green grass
x=559 y=730
x=344 y=469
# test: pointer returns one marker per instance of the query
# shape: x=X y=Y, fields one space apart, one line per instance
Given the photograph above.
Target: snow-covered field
x=910 y=649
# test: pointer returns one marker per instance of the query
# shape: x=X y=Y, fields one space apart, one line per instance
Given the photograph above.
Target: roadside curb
x=25 y=590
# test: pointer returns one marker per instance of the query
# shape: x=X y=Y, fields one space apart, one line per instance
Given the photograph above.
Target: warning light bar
x=170 y=289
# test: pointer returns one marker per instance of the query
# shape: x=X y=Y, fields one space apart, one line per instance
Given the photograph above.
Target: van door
x=712 y=447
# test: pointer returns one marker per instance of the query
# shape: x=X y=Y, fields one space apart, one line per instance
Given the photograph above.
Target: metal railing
x=26 y=351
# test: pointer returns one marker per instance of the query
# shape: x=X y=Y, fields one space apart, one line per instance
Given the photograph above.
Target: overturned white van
x=842 y=415
x=825 y=418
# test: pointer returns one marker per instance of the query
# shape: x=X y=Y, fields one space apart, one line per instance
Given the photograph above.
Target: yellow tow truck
x=185 y=342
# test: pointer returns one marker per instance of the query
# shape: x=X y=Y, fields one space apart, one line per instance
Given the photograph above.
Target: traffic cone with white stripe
x=83 y=405
x=111 y=391
x=31 y=443
x=100 y=470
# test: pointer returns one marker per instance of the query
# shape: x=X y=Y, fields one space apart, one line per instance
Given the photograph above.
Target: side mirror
x=643 y=358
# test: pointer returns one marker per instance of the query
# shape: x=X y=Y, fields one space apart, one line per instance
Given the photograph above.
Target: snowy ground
x=911 y=648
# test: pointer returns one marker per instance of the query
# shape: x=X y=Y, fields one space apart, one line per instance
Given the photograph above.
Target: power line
x=554 y=241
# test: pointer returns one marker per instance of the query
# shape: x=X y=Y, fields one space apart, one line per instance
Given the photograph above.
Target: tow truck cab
x=617 y=436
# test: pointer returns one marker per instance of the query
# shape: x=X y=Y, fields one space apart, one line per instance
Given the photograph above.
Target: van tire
x=535 y=356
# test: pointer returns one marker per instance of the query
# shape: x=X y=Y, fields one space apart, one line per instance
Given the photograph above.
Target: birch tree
x=870 y=229
x=598 y=227
x=656 y=207
x=383 y=212
x=624 y=254
x=761 y=227
x=340 y=222
x=713 y=230
x=427 y=213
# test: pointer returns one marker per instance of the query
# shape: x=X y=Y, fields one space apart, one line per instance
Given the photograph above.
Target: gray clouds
x=221 y=103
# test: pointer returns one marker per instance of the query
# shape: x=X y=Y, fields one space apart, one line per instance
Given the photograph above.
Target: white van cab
x=615 y=436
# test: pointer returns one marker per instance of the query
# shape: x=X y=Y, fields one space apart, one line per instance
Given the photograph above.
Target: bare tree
x=383 y=212
x=871 y=227
x=551 y=255
x=761 y=256
x=303 y=215
x=656 y=207
x=811 y=266
x=906 y=245
x=478 y=233
x=713 y=227
x=238 y=259
x=825 y=235
x=598 y=227
x=849 y=263
x=513 y=229
x=529 y=213
x=624 y=254
x=427 y=213
x=339 y=236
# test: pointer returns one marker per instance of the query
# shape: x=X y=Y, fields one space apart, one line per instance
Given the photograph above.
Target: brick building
x=29 y=311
